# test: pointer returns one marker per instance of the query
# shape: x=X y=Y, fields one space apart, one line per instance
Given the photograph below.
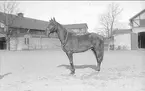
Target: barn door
x=134 y=41
x=143 y=40
x=139 y=40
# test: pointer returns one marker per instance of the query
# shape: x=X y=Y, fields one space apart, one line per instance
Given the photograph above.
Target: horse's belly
x=81 y=49
x=78 y=47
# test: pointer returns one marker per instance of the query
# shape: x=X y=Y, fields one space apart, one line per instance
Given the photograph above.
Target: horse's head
x=52 y=27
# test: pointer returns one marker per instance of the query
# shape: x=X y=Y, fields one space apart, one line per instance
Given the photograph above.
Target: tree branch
x=8 y=8
x=110 y=18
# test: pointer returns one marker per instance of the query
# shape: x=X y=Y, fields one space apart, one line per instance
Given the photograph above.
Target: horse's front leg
x=70 y=56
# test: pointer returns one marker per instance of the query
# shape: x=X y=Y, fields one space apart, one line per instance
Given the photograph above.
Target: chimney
x=20 y=14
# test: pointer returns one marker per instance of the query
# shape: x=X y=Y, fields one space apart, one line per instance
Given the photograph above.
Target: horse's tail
x=98 y=49
x=101 y=46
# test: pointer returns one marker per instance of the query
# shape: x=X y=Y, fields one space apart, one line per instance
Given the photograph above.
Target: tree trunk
x=16 y=41
x=8 y=43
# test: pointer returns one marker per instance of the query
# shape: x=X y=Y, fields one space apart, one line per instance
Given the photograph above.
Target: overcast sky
x=69 y=12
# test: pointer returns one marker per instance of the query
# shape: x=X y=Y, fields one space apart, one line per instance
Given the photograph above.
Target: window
x=26 y=41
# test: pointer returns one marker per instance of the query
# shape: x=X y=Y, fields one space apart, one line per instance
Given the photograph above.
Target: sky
x=70 y=12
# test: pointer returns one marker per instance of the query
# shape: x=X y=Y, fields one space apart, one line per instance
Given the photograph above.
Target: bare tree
x=109 y=19
x=8 y=8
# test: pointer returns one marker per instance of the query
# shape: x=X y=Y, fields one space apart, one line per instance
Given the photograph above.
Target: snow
x=48 y=70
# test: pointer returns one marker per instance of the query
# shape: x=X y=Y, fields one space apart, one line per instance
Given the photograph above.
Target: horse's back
x=88 y=37
x=95 y=35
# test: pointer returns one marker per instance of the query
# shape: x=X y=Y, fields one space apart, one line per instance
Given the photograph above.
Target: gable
x=138 y=14
x=142 y=16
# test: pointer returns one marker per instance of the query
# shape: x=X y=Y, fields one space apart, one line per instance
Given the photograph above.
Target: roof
x=122 y=31
x=24 y=22
x=81 y=25
x=137 y=14
x=29 y=23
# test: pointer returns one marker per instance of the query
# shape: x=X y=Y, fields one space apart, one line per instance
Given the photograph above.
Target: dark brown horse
x=72 y=43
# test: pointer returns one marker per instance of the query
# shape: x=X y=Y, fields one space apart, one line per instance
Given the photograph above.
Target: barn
x=134 y=38
x=28 y=33
x=137 y=23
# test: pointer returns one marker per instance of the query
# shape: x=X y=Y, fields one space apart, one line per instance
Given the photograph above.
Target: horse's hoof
x=98 y=69
x=72 y=73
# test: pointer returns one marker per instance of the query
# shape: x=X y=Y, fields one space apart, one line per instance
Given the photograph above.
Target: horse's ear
x=53 y=18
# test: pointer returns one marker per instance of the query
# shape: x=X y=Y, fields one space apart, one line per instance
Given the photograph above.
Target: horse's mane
x=61 y=26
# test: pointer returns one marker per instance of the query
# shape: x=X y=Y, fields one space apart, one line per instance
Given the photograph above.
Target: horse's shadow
x=2 y=76
x=78 y=66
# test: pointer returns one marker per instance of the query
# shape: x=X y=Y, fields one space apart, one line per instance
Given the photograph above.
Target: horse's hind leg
x=99 y=57
x=70 y=56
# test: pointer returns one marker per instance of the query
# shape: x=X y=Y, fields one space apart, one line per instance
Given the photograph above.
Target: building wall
x=44 y=43
x=34 y=43
x=16 y=43
x=123 y=40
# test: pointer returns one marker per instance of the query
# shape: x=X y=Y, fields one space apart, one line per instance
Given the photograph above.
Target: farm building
x=137 y=23
x=28 y=33
x=122 y=38
x=133 y=38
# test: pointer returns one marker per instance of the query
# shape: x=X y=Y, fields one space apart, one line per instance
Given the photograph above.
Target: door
x=141 y=40
x=2 y=43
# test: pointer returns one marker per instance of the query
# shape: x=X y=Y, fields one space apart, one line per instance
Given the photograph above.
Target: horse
x=73 y=43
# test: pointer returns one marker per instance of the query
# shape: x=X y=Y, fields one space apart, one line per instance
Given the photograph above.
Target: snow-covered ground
x=48 y=70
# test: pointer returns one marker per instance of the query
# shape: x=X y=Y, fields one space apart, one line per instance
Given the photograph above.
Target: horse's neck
x=62 y=34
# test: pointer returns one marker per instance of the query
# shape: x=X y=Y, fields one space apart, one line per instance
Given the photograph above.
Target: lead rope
x=65 y=38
